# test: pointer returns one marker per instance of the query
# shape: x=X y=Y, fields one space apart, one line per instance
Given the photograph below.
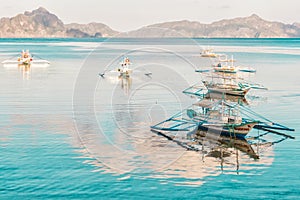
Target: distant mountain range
x=42 y=23
x=242 y=27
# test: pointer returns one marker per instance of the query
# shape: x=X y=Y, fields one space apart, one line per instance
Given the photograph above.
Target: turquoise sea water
x=67 y=133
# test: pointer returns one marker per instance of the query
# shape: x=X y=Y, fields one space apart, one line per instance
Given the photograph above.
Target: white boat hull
x=226 y=69
x=34 y=63
x=226 y=89
x=209 y=55
x=239 y=131
x=229 y=91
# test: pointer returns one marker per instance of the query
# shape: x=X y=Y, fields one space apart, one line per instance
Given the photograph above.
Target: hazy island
x=40 y=23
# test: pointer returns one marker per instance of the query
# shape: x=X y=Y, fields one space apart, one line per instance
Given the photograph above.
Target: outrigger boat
x=220 y=118
x=225 y=68
x=26 y=59
x=229 y=85
x=124 y=69
x=189 y=134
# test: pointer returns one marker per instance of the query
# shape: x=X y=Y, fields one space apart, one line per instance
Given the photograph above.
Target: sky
x=125 y=15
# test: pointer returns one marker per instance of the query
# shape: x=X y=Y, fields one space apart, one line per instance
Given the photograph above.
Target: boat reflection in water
x=165 y=159
x=218 y=154
x=25 y=69
x=224 y=143
x=126 y=83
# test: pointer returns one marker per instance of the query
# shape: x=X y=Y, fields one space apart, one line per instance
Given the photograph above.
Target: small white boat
x=25 y=60
x=226 y=68
x=124 y=69
x=208 y=53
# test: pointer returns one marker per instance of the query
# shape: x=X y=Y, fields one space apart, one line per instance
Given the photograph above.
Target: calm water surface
x=68 y=133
